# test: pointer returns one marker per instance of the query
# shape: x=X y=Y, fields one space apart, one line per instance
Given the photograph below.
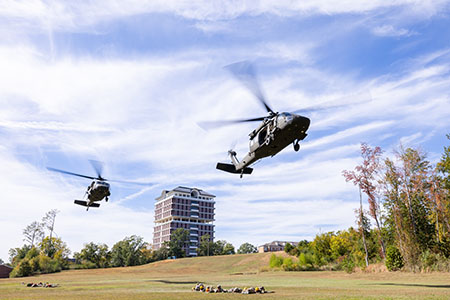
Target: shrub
x=394 y=259
x=275 y=261
x=434 y=262
x=287 y=264
x=48 y=265
x=348 y=264
x=22 y=269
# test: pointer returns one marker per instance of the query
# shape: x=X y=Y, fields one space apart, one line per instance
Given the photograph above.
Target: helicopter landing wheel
x=296 y=146
x=106 y=199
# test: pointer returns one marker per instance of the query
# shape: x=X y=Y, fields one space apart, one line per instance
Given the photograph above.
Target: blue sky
x=126 y=82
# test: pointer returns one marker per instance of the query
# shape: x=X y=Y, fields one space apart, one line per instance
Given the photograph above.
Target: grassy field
x=173 y=279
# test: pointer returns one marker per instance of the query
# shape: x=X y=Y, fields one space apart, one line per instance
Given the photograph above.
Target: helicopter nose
x=302 y=122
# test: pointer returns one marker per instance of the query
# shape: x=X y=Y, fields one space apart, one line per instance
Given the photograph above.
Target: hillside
x=173 y=279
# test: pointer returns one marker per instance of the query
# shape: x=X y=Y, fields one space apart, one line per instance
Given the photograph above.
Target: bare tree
x=34 y=232
x=49 y=220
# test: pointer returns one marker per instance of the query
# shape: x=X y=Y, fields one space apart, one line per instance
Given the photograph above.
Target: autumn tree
x=365 y=177
x=441 y=193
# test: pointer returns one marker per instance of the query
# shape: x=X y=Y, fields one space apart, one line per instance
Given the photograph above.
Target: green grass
x=173 y=279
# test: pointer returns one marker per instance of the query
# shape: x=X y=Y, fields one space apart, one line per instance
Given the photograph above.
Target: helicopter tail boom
x=232 y=169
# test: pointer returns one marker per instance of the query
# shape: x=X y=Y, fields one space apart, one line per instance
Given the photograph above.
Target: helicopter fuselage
x=97 y=191
x=272 y=136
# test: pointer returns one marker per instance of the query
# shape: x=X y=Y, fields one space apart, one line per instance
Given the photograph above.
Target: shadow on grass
x=416 y=285
x=174 y=282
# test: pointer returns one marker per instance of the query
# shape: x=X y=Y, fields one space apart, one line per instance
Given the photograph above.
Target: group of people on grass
x=40 y=284
x=200 y=287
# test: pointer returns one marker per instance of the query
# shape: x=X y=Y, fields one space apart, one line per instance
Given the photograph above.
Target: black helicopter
x=99 y=189
x=276 y=131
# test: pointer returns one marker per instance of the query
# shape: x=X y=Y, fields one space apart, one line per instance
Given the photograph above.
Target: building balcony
x=193 y=234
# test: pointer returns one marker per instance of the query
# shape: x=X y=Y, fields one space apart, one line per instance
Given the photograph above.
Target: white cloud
x=389 y=30
x=139 y=115
x=70 y=16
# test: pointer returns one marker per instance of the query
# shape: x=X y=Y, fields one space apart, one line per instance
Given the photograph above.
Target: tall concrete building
x=183 y=207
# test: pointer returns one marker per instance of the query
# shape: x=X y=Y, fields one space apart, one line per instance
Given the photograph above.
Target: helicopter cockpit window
x=287 y=116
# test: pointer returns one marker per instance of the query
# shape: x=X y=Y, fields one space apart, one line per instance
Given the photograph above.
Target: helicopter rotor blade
x=326 y=105
x=131 y=182
x=70 y=173
x=215 y=124
x=98 y=167
x=245 y=73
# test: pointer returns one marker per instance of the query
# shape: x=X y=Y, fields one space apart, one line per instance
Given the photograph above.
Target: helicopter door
x=262 y=136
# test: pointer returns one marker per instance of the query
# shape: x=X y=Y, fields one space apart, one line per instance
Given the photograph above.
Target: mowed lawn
x=173 y=279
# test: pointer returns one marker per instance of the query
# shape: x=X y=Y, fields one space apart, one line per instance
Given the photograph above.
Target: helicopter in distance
x=99 y=188
x=276 y=131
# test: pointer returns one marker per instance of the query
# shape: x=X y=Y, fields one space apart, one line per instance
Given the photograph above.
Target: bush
x=348 y=264
x=48 y=265
x=22 y=269
x=394 y=259
x=275 y=261
x=287 y=264
x=434 y=262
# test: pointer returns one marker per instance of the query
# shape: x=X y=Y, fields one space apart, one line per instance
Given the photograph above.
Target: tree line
x=48 y=254
x=406 y=223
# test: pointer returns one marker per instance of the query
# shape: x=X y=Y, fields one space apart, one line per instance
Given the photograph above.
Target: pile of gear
x=200 y=287
x=40 y=284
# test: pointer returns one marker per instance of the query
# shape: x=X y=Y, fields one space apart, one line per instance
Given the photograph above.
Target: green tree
x=22 y=269
x=128 y=252
x=247 y=248
x=394 y=259
x=441 y=193
x=96 y=254
x=288 y=248
x=160 y=254
x=55 y=249
x=321 y=247
x=17 y=254
x=228 y=249
x=206 y=246
x=178 y=240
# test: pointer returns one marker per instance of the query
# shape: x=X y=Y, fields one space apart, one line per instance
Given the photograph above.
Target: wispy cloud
x=139 y=112
x=389 y=30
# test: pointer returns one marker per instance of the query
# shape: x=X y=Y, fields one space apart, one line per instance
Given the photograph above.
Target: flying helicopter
x=276 y=131
x=99 y=188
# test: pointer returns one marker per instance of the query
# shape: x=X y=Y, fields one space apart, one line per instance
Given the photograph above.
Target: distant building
x=4 y=271
x=183 y=207
x=275 y=246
